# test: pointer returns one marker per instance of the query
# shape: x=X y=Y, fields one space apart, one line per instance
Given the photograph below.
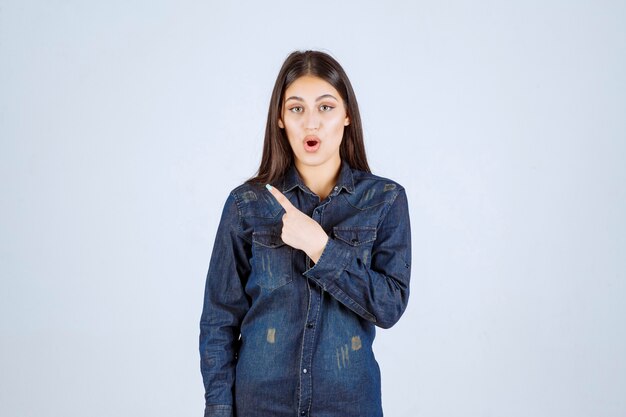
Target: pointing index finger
x=280 y=197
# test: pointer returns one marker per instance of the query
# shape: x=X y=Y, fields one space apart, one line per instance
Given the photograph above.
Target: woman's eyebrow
x=326 y=96
x=318 y=99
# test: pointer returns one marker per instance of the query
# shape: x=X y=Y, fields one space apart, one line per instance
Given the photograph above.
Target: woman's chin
x=309 y=159
x=314 y=160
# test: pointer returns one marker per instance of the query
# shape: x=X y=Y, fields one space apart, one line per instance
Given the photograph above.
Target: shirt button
x=304 y=371
x=335 y=188
x=309 y=325
x=303 y=413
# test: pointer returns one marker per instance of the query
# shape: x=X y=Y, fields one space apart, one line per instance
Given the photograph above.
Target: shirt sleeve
x=225 y=305
x=379 y=292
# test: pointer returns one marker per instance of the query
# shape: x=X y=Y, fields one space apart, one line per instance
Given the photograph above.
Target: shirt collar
x=292 y=179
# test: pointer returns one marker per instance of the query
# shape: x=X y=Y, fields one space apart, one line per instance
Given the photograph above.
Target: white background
x=124 y=124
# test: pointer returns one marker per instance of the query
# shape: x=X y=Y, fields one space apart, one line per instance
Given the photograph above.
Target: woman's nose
x=312 y=120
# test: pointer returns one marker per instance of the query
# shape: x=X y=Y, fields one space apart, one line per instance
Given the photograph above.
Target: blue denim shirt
x=281 y=336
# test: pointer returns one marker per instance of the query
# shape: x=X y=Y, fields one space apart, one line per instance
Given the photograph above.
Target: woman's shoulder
x=254 y=200
x=363 y=176
x=375 y=188
x=247 y=192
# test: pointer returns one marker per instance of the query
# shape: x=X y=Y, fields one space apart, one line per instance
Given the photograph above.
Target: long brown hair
x=277 y=154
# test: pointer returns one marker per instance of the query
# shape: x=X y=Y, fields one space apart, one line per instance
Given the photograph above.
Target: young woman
x=310 y=255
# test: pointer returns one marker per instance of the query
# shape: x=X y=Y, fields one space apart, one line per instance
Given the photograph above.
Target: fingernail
x=269 y=187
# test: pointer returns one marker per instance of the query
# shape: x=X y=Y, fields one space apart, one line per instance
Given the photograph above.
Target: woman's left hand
x=299 y=230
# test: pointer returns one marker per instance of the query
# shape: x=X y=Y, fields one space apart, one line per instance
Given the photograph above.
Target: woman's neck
x=322 y=178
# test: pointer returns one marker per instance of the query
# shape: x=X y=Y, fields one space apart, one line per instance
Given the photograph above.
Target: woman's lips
x=311 y=143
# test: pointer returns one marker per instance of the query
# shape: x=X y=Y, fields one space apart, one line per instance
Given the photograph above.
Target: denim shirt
x=281 y=336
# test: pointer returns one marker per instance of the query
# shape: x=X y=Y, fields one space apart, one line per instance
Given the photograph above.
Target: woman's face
x=313 y=116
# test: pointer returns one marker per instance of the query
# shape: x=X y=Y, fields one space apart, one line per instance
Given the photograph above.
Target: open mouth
x=311 y=144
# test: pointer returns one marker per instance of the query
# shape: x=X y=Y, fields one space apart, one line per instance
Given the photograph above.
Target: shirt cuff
x=335 y=259
x=218 y=410
x=331 y=264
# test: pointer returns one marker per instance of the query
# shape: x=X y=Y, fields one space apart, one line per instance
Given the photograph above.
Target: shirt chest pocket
x=360 y=238
x=271 y=260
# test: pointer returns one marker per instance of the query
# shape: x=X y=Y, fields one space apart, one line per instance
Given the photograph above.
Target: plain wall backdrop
x=124 y=125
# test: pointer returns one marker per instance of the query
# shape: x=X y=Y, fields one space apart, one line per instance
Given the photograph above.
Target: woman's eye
x=296 y=109
x=326 y=107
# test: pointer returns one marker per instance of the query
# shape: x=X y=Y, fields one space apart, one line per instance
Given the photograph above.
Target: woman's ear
x=347 y=121
x=280 y=123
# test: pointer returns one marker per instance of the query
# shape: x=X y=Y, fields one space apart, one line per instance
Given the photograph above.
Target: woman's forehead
x=309 y=87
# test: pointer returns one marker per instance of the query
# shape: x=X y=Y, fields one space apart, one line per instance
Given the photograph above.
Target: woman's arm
x=378 y=293
x=225 y=304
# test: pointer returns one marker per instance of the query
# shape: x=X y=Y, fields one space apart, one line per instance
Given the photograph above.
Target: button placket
x=308 y=338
